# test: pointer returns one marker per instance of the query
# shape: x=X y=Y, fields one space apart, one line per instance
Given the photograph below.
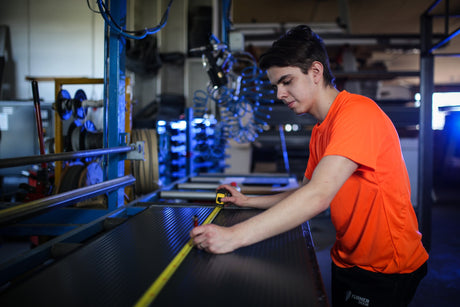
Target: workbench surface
x=117 y=268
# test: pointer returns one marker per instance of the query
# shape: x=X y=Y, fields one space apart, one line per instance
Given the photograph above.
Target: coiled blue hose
x=242 y=103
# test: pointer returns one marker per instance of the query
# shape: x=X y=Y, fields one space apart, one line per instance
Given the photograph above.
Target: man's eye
x=287 y=82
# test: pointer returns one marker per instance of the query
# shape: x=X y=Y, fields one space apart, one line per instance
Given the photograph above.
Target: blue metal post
x=115 y=98
x=189 y=140
x=226 y=7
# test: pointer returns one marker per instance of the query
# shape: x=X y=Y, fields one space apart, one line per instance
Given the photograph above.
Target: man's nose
x=280 y=93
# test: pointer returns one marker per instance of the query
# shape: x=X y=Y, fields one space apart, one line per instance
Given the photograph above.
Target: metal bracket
x=138 y=153
x=123 y=138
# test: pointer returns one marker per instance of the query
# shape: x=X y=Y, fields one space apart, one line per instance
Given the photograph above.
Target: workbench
x=116 y=268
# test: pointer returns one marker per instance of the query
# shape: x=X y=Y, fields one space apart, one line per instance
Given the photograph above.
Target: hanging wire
x=137 y=34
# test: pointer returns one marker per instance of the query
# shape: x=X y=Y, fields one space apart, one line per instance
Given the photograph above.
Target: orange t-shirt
x=376 y=226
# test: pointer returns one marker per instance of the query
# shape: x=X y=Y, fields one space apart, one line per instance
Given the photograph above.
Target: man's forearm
x=297 y=206
x=267 y=201
x=294 y=209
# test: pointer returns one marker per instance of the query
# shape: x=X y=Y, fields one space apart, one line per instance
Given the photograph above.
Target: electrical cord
x=137 y=34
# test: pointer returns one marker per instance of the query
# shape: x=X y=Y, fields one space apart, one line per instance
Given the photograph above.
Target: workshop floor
x=441 y=286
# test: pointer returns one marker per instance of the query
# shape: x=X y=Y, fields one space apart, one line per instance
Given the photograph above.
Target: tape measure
x=221 y=193
x=163 y=278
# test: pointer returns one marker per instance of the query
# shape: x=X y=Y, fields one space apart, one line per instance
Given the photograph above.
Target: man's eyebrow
x=282 y=79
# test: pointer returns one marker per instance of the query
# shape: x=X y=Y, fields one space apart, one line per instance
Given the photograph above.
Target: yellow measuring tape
x=161 y=281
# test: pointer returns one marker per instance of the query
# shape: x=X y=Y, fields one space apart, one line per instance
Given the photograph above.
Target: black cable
x=136 y=34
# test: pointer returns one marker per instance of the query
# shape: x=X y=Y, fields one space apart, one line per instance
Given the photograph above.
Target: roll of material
x=146 y=172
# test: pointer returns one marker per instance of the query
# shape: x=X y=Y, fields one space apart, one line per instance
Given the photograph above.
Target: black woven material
x=119 y=266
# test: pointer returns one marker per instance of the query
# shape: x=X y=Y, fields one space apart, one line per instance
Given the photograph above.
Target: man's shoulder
x=351 y=98
x=357 y=103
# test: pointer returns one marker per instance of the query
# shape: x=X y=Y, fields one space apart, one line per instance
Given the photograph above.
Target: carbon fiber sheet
x=280 y=271
x=119 y=266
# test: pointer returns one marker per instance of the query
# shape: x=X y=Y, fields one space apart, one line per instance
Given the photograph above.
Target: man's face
x=296 y=89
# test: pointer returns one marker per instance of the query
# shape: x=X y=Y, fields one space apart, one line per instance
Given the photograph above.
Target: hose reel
x=79 y=107
x=79 y=138
x=78 y=175
x=66 y=106
x=85 y=131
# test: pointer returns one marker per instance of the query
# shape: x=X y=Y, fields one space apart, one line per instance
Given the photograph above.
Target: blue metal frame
x=72 y=225
x=114 y=97
x=226 y=6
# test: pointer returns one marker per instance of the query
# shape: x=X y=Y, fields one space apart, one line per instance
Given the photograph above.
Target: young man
x=355 y=167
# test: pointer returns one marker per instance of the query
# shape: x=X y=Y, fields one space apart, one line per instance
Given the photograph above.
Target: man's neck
x=325 y=101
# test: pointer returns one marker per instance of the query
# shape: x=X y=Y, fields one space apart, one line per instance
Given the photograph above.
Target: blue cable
x=249 y=94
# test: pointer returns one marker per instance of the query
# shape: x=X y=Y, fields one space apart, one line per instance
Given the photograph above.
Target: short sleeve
x=355 y=133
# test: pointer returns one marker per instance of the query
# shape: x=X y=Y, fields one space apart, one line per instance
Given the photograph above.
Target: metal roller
x=188 y=195
x=12 y=162
x=62 y=199
x=197 y=186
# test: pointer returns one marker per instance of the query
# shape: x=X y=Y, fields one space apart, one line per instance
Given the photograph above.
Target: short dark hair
x=299 y=47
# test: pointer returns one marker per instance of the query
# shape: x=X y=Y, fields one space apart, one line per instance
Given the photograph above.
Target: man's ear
x=317 y=71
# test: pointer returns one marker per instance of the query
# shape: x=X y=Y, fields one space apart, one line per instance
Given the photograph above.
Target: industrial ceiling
x=355 y=19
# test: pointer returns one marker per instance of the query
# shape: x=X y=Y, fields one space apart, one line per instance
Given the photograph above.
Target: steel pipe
x=197 y=186
x=11 y=162
x=188 y=195
x=63 y=199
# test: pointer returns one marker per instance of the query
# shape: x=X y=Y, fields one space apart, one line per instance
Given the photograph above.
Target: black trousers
x=357 y=287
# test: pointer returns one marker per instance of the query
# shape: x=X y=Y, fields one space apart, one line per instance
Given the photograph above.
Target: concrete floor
x=441 y=286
